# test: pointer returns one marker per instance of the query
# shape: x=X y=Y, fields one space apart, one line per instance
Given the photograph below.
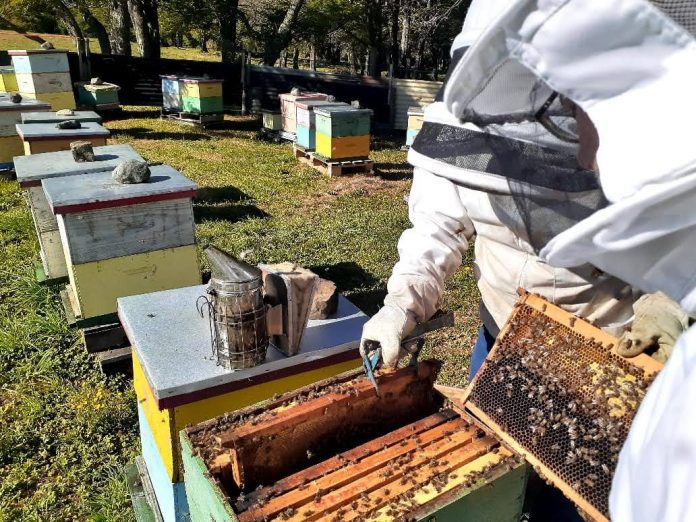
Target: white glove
x=658 y=323
x=388 y=327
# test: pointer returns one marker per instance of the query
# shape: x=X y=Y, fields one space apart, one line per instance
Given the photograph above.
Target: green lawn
x=13 y=40
x=65 y=430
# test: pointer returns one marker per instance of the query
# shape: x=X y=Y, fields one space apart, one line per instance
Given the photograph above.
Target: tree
x=145 y=19
x=281 y=38
x=226 y=16
x=95 y=27
x=120 y=27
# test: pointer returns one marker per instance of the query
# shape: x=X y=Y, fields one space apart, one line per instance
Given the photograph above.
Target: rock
x=325 y=302
x=96 y=81
x=131 y=171
x=15 y=97
x=65 y=112
x=47 y=46
x=331 y=98
x=68 y=124
x=295 y=91
x=82 y=151
x=355 y=103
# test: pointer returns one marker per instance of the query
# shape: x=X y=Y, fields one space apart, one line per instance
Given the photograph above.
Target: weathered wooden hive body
x=271 y=120
x=46 y=137
x=342 y=132
x=178 y=381
x=53 y=117
x=11 y=144
x=8 y=81
x=288 y=109
x=415 y=123
x=336 y=451
x=31 y=170
x=306 y=129
x=123 y=239
x=100 y=97
x=45 y=75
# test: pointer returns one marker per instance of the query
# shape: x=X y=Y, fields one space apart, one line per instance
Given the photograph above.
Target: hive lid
x=27 y=104
x=328 y=111
x=307 y=104
x=169 y=76
x=48 y=131
x=199 y=79
x=98 y=190
x=415 y=111
x=36 y=167
x=106 y=86
x=52 y=117
x=27 y=52
x=172 y=343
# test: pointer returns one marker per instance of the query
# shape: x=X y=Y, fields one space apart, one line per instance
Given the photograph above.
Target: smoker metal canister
x=237 y=312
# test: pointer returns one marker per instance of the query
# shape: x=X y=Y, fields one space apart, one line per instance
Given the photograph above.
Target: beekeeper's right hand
x=388 y=328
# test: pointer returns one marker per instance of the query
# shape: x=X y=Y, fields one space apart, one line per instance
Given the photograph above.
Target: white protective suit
x=631 y=66
x=447 y=211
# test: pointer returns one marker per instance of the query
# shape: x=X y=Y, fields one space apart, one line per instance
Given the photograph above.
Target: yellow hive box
x=98 y=284
x=10 y=146
x=343 y=147
x=58 y=100
x=8 y=81
x=202 y=89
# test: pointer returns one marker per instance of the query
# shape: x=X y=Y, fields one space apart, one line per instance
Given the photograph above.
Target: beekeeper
x=627 y=70
x=501 y=161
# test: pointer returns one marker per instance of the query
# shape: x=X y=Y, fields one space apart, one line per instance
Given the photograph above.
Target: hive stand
x=333 y=168
x=178 y=382
x=46 y=137
x=31 y=170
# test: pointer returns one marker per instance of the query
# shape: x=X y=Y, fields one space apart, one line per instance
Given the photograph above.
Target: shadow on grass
x=218 y=194
x=393 y=171
x=390 y=141
x=246 y=124
x=232 y=212
x=352 y=280
x=142 y=133
x=144 y=112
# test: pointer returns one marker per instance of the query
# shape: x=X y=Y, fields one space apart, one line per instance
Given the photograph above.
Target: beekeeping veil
x=501 y=128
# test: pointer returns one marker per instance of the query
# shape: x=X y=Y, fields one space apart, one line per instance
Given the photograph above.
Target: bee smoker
x=236 y=311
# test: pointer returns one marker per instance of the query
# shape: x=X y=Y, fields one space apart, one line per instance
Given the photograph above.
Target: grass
x=66 y=429
x=14 y=40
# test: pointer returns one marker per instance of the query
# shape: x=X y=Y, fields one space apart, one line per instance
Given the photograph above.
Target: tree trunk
x=66 y=17
x=204 y=42
x=120 y=30
x=353 y=61
x=97 y=28
x=226 y=13
x=374 y=36
x=394 y=34
x=282 y=37
x=296 y=58
x=143 y=14
x=313 y=55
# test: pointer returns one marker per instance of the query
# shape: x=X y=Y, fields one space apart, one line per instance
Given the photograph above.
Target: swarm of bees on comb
x=564 y=397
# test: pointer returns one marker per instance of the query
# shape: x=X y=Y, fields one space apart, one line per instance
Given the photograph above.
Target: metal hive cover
x=554 y=389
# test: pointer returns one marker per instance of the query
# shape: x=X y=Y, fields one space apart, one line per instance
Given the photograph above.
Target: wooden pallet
x=200 y=120
x=333 y=167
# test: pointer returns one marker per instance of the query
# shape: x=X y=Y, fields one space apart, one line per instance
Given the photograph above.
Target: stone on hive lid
x=15 y=97
x=96 y=81
x=131 y=171
x=47 y=46
x=82 y=151
x=65 y=112
x=69 y=124
x=325 y=301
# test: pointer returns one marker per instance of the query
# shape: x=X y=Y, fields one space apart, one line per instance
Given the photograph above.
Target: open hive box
x=555 y=390
x=336 y=451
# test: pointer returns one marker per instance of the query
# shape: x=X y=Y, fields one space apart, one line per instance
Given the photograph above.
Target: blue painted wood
x=171 y=98
x=306 y=137
x=39 y=61
x=171 y=496
x=410 y=136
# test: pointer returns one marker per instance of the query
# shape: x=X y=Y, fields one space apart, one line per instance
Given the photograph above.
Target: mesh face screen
x=682 y=12
x=564 y=397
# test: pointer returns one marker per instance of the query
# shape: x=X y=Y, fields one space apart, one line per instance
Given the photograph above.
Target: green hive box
x=484 y=486
x=201 y=105
x=340 y=121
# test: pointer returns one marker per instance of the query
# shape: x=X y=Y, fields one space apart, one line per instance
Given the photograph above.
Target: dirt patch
x=354 y=186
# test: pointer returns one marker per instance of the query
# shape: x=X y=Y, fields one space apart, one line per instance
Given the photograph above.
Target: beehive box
x=171 y=97
x=46 y=137
x=201 y=95
x=168 y=335
x=123 y=239
x=289 y=111
x=31 y=170
x=8 y=82
x=306 y=125
x=342 y=132
x=554 y=388
x=337 y=451
x=53 y=117
x=10 y=115
x=44 y=74
x=101 y=97
x=271 y=120
x=415 y=123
